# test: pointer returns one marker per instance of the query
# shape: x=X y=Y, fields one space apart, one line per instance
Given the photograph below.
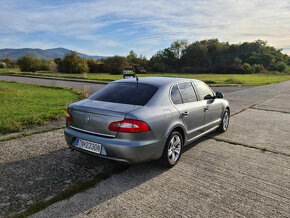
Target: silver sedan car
x=149 y=118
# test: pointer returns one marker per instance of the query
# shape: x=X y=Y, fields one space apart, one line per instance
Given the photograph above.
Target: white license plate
x=89 y=146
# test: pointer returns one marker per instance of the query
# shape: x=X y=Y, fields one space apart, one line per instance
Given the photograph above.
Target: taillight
x=68 y=116
x=129 y=125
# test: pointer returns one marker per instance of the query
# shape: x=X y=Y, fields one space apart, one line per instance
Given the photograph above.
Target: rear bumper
x=128 y=151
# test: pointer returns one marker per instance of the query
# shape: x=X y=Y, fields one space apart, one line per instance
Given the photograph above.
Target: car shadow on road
x=41 y=177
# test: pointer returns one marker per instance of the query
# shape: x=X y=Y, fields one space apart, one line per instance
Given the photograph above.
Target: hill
x=42 y=53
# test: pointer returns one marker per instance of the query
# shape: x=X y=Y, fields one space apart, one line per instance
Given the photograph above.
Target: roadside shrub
x=42 y=64
x=233 y=81
x=209 y=82
x=52 y=66
x=95 y=66
x=10 y=63
x=28 y=63
x=159 y=67
x=2 y=65
x=280 y=66
x=72 y=63
x=232 y=69
x=248 y=69
x=258 y=68
x=115 y=64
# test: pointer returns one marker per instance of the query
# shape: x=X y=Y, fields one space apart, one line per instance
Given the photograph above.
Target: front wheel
x=172 y=150
x=225 y=122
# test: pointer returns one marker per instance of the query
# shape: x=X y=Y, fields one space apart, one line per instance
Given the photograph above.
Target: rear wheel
x=172 y=150
x=225 y=121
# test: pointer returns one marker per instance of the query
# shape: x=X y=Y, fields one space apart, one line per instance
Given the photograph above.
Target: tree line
x=212 y=56
x=206 y=56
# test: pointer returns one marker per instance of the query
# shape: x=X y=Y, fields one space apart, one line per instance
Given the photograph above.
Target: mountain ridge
x=51 y=53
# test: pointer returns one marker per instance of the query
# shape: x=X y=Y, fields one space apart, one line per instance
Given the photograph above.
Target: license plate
x=89 y=146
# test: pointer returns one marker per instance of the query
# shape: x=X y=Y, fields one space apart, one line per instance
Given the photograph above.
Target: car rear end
x=103 y=125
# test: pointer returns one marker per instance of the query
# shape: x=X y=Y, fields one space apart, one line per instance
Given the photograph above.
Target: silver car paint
x=159 y=113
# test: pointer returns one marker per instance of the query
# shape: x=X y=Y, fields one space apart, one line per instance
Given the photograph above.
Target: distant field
x=212 y=79
x=24 y=106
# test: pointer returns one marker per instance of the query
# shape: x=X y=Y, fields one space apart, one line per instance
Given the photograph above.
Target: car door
x=212 y=106
x=191 y=110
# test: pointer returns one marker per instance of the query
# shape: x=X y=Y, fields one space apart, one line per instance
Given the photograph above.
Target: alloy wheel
x=174 y=149
x=226 y=121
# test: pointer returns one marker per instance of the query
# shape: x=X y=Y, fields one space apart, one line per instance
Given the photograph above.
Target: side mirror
x=209 y=97
x=219 y=95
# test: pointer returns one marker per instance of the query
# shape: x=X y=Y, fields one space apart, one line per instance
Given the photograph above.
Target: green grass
x=213 y=79
x=24 y=106
x=9 y=70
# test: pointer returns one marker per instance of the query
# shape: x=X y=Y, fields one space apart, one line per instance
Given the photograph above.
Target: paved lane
x=212 y=179
x=92 y=87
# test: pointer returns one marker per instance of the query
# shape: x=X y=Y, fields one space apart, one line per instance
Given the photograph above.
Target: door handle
x=206 y=108
x=185 y=113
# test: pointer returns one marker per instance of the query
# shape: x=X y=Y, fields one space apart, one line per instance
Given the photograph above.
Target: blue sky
x=109 y=27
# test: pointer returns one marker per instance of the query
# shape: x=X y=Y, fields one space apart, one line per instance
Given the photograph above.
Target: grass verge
x=25 y=106
x=213 y=79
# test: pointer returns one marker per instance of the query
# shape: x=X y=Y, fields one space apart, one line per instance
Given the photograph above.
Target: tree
x=218 y=57
x=10 y=63
x=115 y=64
x=280 y=66
x=178 y=47
x=95 y=66
x=132 y=57
x=196 y=55
x=72 y=63
x=248 y=69
x=28 y=63
x=52 y=66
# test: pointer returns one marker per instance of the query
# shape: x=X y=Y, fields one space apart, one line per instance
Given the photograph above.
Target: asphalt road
x=219 y=175
x=90 y=87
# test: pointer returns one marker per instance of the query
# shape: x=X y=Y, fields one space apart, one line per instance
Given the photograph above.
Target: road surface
x=243 y=172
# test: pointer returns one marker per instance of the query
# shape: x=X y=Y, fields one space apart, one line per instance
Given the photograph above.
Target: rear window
x=125 y=93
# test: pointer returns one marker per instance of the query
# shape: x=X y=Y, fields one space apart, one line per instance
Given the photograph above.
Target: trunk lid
x=94 y=116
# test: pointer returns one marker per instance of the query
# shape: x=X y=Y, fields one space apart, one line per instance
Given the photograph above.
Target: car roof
x=156 y=81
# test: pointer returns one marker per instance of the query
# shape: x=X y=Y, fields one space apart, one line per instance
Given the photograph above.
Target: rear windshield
x=125 y=93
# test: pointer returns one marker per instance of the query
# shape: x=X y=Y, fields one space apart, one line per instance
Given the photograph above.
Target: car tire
x=225 y=121
x=172 y=150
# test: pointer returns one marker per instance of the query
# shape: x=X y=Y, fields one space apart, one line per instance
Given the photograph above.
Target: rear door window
x=187 y=92
x=175 y=95
x=125 y=93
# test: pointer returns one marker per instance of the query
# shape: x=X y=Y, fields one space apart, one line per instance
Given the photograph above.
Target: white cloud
x=151 y=23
